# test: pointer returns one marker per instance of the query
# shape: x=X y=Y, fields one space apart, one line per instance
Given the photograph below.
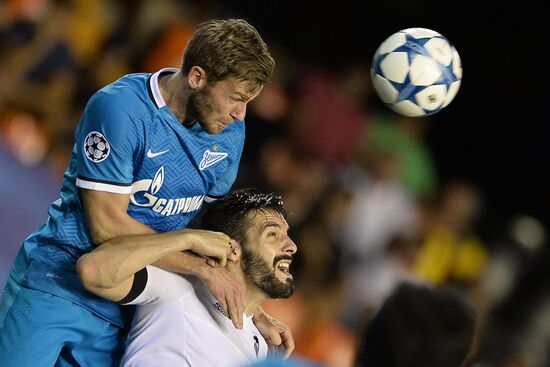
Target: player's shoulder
x=235 y=130
x=238 y=125
x=127 y=94
x=162 y=286
x=159 y=273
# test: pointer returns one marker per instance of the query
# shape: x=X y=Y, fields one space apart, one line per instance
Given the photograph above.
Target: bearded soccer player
x=150 y=148
x=178 y=322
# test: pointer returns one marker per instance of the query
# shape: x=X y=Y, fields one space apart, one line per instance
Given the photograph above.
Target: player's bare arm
x=108 y=270
x=107 y=216
x=108 y=219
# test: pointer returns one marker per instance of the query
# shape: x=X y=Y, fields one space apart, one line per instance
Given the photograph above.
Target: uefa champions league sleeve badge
x=96 y=147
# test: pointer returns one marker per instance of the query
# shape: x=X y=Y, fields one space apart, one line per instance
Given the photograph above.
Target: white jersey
x=179 y=323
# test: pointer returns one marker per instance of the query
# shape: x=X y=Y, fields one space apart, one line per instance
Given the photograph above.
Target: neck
x=254 y=296
x=175 y=93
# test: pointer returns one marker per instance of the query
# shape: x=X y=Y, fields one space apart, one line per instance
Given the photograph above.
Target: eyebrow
x=270 y=224
x=246 y=94
x=243 y=96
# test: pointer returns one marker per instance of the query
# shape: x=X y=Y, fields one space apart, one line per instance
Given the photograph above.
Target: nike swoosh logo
x=150 y=154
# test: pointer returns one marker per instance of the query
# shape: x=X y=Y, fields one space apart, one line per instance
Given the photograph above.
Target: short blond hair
x=230 y=48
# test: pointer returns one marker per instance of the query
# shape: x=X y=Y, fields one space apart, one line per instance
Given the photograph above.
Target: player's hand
x=214 y=246
x=275 y=333
x=229 y=292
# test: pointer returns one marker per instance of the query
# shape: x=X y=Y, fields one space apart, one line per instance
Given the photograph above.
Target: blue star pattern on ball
x=416 y=72
x=416 y=45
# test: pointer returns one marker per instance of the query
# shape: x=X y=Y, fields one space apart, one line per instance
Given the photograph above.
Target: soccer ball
x=416 y=72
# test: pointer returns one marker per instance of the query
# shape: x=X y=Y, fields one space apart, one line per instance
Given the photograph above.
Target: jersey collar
x=153 y=86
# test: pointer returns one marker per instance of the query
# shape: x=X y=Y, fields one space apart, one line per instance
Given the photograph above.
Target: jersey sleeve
x=223 y=185
x=107 y=141
x=160 y=286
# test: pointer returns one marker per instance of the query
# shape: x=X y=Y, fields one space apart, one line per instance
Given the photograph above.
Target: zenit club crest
x=209 y=158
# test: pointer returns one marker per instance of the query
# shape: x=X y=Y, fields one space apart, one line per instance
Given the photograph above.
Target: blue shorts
x=40 y=329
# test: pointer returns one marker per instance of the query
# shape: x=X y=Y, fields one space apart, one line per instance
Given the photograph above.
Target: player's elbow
x=90 y=274
x=103 y=231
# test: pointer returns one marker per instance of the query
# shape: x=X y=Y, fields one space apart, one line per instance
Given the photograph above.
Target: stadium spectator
x=453 y=253
x=379 y=233
x=404 y=138
x=418 y=326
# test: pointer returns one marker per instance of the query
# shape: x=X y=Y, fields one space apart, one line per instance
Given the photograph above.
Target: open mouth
x=284 y=267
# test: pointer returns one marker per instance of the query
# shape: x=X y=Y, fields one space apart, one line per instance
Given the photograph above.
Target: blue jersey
x=127 y=142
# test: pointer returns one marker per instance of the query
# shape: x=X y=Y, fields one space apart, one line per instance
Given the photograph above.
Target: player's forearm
x=184 y=263
x=178 y=262
x=119 y=258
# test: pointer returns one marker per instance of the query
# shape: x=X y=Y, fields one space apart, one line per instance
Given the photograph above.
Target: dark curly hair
x=228 y=214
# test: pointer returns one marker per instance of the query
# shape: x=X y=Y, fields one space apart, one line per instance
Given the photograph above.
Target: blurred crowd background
x=376 y=198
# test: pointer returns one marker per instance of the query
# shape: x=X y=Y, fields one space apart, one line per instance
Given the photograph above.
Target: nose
x=239 y=111
x=290 y=247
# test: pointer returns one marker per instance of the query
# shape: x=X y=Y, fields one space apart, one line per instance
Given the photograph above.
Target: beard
x=199 y=108
x=262 y=275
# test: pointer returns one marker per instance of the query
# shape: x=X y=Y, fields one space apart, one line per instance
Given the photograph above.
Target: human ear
x=235 y=251
x=196 y=78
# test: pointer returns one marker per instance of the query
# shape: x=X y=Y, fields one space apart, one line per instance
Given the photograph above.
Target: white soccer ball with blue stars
x=416 y=72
